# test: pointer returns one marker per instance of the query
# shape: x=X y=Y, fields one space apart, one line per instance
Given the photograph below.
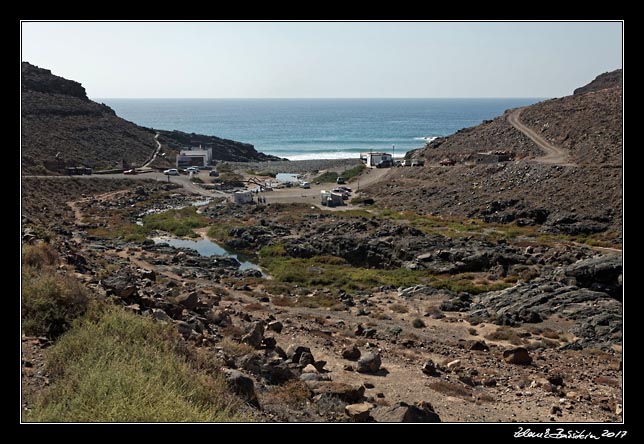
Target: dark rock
x=255 y=335
x=345 y=392
x=403 y=412
x=189 y=300
x=351 y=352
x=518 y=355
x=306 y=358
x=293 y=352
x=276 y=371
x=122 y=283
x=275 y=326
x=242 y=385
x=429 y=368
x=369 y=363
x=478 y=346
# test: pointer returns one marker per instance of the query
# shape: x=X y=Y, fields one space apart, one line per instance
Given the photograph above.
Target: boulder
x=188 y=300
x=478 y=346
x=518 y=355
x=369 y=363
x=276 y=371
x=122 y=283
x=403 y=412
x=255 y=335
x=358 y=412
x=351 y=352
x=242 y=385
x=275 y=326
x=345 y=392
x=306 y=358
x=293 y=352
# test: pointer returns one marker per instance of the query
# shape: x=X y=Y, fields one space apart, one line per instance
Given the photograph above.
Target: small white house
x=372 y=159
x=194 y=157
x=331 y=199
x=242 y=197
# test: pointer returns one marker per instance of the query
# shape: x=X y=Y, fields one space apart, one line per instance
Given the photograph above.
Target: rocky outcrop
x=606 y=80
x=61 y=127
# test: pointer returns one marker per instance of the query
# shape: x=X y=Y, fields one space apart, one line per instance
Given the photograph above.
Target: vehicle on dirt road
x=171 y=172
x=340 y=180
x=131 y=171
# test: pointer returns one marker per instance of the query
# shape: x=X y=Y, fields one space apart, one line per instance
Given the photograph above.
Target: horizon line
x=316 y=98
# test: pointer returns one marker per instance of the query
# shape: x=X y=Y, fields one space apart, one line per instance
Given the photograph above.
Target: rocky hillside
x=584 y=197
x=61 y=127
x=603 y=81
x=223 y=149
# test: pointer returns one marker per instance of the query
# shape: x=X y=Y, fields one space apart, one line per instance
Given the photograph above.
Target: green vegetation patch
x=178 y=222
x=331 y=176
x=115 y=366
x=334 y=272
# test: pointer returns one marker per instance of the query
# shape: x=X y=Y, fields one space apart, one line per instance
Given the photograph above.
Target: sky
x=324 y=59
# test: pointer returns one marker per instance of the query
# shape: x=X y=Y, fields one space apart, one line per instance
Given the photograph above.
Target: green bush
x=179 y=222
x=115 y=366
x=50 y=302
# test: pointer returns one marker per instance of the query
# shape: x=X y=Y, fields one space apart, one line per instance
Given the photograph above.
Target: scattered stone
x=403 y=412
x=556 y=380
x=429 y=368
x=319 y=365
x=219 y=317
x=478 y=346
x=242 y=385
x=309 y=369
x=345 y=392
x=358 y=330
x=454 y=365
x=348 y=368
x=255 y=336
x=518 y=355
x=351 y=352
x=189 y=301
x=161 y=315
x=122 y=283
x=275 y=326
x=306 y=358
x=358 y=412
x=369 y=363
x=293 y=352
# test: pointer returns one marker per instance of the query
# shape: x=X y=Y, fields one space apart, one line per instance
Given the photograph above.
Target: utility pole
x=393 y=151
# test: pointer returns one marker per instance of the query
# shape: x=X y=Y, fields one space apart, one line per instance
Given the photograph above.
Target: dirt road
x=553 y=154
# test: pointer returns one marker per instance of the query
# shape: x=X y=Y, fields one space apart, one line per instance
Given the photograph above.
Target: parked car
x=345 y=194
x=340 y=180
x=383 y=164
x=171 y=172
x=397 y=163
x=205 y=167
x=347 y=189
x=194 y=169
x=447 y=162
x=213 y=173
x=419 y=163
x=305 y=185
x=131 y=171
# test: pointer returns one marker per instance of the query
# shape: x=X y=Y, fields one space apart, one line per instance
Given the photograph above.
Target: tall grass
x=115 y=366
x=179 y=222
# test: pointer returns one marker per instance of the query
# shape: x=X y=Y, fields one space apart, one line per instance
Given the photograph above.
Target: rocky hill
x=582 y=195
x=603 y=81
x=61 y=127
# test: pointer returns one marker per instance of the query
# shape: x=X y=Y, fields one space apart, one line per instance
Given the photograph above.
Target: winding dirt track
x=553 y=155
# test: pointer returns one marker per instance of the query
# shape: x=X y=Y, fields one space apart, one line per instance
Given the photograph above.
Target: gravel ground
x=296 y=166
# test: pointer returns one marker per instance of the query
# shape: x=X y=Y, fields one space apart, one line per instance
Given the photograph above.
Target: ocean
x=301 y=129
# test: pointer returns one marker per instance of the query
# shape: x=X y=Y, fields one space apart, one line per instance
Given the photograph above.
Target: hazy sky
x=325 y=59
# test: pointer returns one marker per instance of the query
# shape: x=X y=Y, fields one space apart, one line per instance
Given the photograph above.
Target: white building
x=331 y=199
x=372 y=159
x=194 y=157
x=242 y=197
